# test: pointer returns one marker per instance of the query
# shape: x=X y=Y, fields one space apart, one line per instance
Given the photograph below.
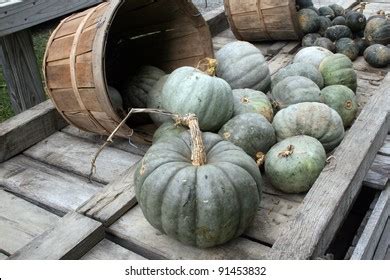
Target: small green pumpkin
x=355 y=21
x=309 y=39
x=347 y=47
x=167 y=130
x=189 y=90
x=154 y=100
x=299 y=69
x=312 y=55
x=302 y=4
x=202 y=197
x=342 y=100
x=136 y=90
x=308 y=21
x=338 y=69
x=326 y=12
x=378 y=31
x=294 y=89
x=242 y=65
x=252 y=101
x=338 y=31
x=251 y=132
x=310 y=118
x=325 y=43
x=337 y=9
x=294 y=164
x=340 y=20
x=377 y=55
x=325 y=23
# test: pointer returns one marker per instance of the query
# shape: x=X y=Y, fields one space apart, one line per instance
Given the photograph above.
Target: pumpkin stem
x=288 y=152
x=260 y=159
x=348 y=105
x=198 y=155
x=208 y=65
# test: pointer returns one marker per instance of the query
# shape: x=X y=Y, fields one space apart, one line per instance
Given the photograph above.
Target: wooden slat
x=134 y=232
x=119 y=143
x=107 y=250
x=330 y=198
x=367 y=244
x=72 y=237
x=27 y=13
x=28 y=128
x=385 y=149
x=21 y=71
x=216 y=20
x=48 y=187
x=20 y=222
x=113 y=201
x=75 y=155
x=379 y=173
x=384 y=243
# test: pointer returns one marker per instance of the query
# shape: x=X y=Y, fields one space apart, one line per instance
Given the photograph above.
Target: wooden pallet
x=60 y=215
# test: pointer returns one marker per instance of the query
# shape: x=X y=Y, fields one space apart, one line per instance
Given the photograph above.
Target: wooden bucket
x=98 y=47
x=263 y=20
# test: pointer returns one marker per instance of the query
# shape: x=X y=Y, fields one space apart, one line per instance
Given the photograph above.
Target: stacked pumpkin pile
x=204 y=189
x=346 y=32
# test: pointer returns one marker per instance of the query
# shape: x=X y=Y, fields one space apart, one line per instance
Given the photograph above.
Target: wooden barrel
x=263 y=20
x=102 y=46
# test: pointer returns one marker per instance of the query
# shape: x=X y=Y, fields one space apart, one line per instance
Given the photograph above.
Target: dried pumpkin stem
x=110 y=138
x=198 y=155
x=208 y=65
x=288 y=152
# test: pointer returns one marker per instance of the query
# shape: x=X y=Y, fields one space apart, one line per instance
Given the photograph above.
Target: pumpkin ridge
x=244 y=61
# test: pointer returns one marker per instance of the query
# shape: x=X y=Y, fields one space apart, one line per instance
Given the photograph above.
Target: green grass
x=40 y=36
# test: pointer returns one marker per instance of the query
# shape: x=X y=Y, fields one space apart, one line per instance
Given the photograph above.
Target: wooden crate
x=46 y=164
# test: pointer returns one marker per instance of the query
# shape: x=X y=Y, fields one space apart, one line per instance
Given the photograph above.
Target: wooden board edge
x=28 y=128
x=216 y=20
x=365 y=248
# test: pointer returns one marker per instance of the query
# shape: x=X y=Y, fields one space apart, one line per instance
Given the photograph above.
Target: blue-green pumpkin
x=312 y=119
x=294 y=164
x=154 y=101
x=252 y=101
x=189 y=90
x=202 y=200
x=168 y=129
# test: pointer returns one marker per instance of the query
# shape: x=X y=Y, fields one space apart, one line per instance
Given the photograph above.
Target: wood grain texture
x=385 y=149
x=135 y=233
x=330 y=198
x=119 y=143
x=46 y=186
x=20 y=69
x=72 y=237
x=107 y=250
x=365 y=248
x=21 y=222
x=74 y=154
x=28 y=128
x=384 y=243
x=379 y=173
x=24 y=14
x=113 y=201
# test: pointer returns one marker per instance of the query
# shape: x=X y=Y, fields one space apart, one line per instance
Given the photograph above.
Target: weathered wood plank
x=135 y=233
x=379 y=172
x=119 y=143
x=48 y=187
x=113 y=201
x=75 y=155
x=385 y=149
x=27 y=13
x=72 y=237
x=216 y=20
x=366 y=246
x=384 y=243
x=345 y=3
x=20 y=70
x=326 y=204
x=28 y=128
x=107 y=250
x=21 y=222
